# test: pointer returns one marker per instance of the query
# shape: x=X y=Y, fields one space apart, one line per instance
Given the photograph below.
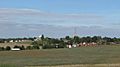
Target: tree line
x=46 y=42
x=49 y=43
x=8 y=48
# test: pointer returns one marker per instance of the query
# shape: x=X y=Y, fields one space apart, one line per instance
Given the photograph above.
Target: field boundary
x=82 y=65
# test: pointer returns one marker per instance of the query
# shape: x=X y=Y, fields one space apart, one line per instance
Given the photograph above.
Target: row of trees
x=7 y=48
x=46 y=42
x=62 y=42
x=89 y=39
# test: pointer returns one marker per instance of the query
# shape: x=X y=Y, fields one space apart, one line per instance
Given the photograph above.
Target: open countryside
x=53 y=57
x=59 y=33
x=67 y=51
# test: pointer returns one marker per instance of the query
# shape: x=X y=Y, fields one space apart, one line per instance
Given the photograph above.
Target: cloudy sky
x=58 y=18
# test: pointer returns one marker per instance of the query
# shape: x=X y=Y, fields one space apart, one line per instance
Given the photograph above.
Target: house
x=69 y=46
x=74 y=45
x=15 y=49
x=38 y=38
x=88 y=44
x=11 y=41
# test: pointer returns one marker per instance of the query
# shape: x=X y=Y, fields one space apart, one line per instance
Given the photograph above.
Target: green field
x=48 y=57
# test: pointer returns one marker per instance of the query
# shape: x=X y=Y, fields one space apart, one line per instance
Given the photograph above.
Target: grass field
x=49 y=57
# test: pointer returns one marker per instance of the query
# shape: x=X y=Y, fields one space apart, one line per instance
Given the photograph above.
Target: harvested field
x=13 y=44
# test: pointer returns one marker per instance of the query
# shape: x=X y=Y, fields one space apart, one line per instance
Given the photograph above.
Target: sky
x=58 y=18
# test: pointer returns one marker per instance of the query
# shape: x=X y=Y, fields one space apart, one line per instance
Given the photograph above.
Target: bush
x=8 y=48
x=22 y=48
x=16 y=46
x=61 y=46
x=2 y=48
x=29 y=48
x=49 y=46
x=36 y=47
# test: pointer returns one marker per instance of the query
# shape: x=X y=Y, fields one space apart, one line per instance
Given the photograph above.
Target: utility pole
x=75 y=31
x=74 y=34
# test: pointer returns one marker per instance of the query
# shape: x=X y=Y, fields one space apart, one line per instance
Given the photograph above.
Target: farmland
x=48 y=57
x=15 y=43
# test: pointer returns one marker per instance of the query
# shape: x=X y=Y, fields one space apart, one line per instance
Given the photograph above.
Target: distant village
x=11 y=40
x=42 y=42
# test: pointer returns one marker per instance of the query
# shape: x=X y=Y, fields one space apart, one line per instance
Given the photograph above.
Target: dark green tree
x=42 y=37
x=2 y=48
x=8 y=48
x=67 y=38
x=36 y=47
x=16 y=46
x=29 y=48
x=76 y=39
x=22 y=47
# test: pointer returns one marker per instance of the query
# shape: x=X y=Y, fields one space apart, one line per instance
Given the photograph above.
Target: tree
x=42 y=37
x=2 y=48
x=36 y=47
x=107 y=39
x=22 y=47
x=67 y=38
x=16 y=46
x=76 y=39
x=8 y=48
x=88 y=39
x=29 y=48
x=50 y=46
x=96 y=38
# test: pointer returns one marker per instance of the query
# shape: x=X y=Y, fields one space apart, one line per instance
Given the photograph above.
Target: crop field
x=52 y=57
x=17 y=43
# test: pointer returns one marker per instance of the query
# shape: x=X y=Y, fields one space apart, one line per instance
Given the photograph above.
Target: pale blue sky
x=65 y=6
x=109 y=9
x=104 y=14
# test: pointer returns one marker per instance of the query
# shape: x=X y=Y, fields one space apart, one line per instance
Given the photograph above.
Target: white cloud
x=30 y=22
x=39 y=17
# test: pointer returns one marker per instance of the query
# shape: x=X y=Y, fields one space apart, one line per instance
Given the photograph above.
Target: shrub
x=29 y=48
x=49 y=46
x=16 y=46
x=36 y=47
x=8 y=48
x=2 y=48
x=22 y=47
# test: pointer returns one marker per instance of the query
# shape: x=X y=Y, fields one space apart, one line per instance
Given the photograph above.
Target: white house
x=38 y=38
x=15 y=49
x=69 y=46
x=74 y=45
x=11 y=41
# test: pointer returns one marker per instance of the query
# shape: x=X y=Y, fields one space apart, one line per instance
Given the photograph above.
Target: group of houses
x=82 y=44
x=13 y=40
x=18 y=40
x=39 y=38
